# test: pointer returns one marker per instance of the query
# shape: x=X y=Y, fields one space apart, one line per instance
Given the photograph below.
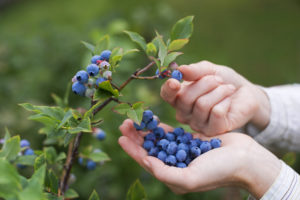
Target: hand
x=240 y=161
x=214 y=99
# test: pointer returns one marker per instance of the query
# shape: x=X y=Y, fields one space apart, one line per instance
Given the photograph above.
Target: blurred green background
x=40 y=51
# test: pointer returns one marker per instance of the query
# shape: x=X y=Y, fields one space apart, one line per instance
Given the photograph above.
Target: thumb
x=196 y=71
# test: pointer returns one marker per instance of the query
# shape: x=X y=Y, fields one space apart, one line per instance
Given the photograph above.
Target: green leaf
x=11 y=148
x=104 y=91
x=88 y=46
x=94 y=196
x=66 y=118
x=7 y=134
x=35 y=187
x=51 y=111
x=163 y=51
x=137 y=38
x=130 y=51
x=101 y=45
x=50 y=154
x=151 y=49
x=10 y=183
x=50 y=196
x=183 y=28
x=39 y=161
x=177 y=44
x=44 y=119
x=58 y=101
x=136 y=191
x=83 y=126
x=26 y=160
x=136 y=113
x=99 y=156
x=122 y=108
x=61 y=156
x=71 y=194
x=51 y=181
x=68 y=138
x=171 y=57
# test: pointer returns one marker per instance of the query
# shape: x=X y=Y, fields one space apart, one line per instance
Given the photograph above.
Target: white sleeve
x=285 y=187
x=283 y=130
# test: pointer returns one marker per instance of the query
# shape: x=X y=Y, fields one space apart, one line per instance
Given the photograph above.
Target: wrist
x=261 y=117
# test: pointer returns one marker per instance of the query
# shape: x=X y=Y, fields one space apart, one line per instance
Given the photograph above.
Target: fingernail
x=172 y=85
x=219 y=79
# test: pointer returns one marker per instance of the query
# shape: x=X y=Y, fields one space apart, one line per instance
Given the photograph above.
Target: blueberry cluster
x=99 y=134
x=173 y=72
x=177 y=148
x=86 y=82
x=25 y=151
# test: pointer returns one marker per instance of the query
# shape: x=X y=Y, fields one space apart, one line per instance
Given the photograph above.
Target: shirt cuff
x=285 y=187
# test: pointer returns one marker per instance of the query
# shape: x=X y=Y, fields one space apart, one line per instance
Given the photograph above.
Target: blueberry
x=78 y=88
x=177 y=75
x=82 y=76
x=170 y=136
x=215 y=143
x=193 y=143
x=28 y=152
x=162 y=144
x=162 y=75
x=182 y=139
x=199 y=141
x=147 y=116
x=95 y=58
x=159 y=132
x=181 y=155
x=162 y=155
x=188 y=160
x=205 y=146
x=100 y=134
x=181 y=165
x=24 y=143
x=92 y=69
x=171 y=160
x=100 y=80
x=152 y=124
x=153 y=151
x=105 y=55
x=189 y=136
x=151 y=137
x=91 y=165
x=171 y=148
x=80 y=160
x=184 y=147
x=178 y=131
x=148 y=144
x=139 y=127
x=195 y=151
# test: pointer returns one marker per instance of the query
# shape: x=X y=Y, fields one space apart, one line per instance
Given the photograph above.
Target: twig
x=145 y=77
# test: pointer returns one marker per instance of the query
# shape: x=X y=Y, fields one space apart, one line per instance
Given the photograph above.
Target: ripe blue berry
x=181 y=155
x=193 y=143
x=139 y=127
x=92 y=69
x=170 y=136
x=205 y=146
x=163 y=74
x=182 y=139
x=188 y=160
x=148 y=144
x=80 y=160
x=178 y=131
x=28 y=152
x=215 y=143
x=181 y=165
x=171 y=160
x=105 y=55
x=162 y=144
x=195 y=151
x=184 y=147
x=152 y=124
x=82 y=76
x=171 y=148
x=100 y=80
x=78 y=88
x=159 y=132
x=177 y=75
x=199 y=141
x=150 y=137
x=153 y=151
x=147 y=116
x=95 y=58
x=24 y=143
x=189 y=136
x=99 y=134
x=91 y=165
x=162 y=155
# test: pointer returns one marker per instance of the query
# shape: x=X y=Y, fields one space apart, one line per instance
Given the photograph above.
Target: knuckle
x=202 y=104
x=218 y=112
x=179 y=118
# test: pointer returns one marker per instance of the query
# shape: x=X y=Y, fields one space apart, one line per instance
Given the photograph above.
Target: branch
x=145 y=77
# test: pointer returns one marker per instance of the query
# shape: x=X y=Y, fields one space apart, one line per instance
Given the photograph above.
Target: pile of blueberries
x=100 y=135
x=86 y=82
x=177 y=148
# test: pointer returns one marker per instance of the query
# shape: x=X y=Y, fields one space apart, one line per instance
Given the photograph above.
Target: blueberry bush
x=64 y=127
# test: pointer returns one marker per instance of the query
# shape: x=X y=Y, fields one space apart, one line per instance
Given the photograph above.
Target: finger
x=169 y=90
x=205 y=103
x=133 y=150
x=167 y=174
x=218 y=121
x=127 y=129
x=198 y=70
x=190 y=93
